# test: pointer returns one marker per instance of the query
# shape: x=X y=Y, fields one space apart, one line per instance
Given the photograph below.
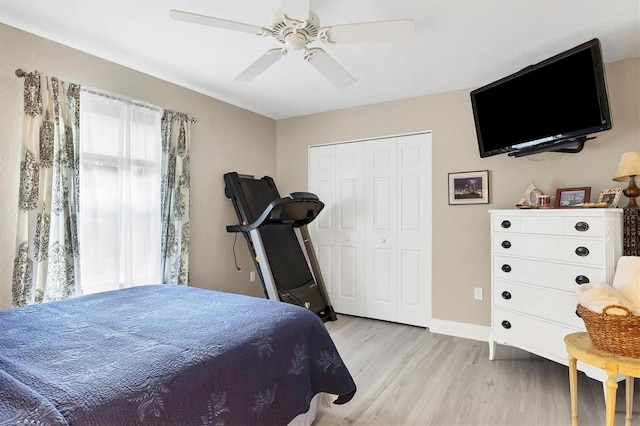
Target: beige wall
x=225 y=138
x=461 y=233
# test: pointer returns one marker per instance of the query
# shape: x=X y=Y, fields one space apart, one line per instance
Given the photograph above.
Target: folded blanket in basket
x=598 y=296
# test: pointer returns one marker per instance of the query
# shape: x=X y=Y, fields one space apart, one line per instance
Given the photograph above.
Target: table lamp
x=628 y=169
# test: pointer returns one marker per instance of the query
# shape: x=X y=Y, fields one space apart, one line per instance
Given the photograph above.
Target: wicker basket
x=618 y=334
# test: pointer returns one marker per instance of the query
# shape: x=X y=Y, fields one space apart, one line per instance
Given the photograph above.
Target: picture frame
x=572 y=197
x=469 y=187
x=610 y=196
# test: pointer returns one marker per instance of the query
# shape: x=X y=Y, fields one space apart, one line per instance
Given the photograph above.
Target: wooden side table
x=579 y=347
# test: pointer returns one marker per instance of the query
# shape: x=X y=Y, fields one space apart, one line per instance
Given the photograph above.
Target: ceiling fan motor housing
x=293 y=33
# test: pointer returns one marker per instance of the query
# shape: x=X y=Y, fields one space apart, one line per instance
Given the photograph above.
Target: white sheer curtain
x=120 y=165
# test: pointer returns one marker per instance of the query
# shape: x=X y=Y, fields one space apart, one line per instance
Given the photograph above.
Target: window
x=120 y=169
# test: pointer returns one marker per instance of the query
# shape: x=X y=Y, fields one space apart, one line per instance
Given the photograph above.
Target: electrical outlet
x=252 y=276
x=477 y=293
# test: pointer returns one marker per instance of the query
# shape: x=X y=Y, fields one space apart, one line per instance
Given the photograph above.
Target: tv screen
x=544 y=107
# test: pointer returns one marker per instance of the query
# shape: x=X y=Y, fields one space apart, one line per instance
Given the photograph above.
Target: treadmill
x=268 y=223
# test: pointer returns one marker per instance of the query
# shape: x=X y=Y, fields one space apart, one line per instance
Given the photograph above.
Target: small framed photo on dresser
x=572 y=197
x=610 y=196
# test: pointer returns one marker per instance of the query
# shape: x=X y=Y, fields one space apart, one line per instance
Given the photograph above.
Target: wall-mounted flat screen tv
x=550 y=106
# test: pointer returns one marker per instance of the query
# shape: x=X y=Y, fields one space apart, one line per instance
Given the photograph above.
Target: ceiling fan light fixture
x=295 y=41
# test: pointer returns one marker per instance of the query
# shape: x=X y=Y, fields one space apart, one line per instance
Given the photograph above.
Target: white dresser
x=539 y=258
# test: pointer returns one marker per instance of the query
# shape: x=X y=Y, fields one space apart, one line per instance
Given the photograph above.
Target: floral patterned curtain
x=176 y=133
x=46 y=266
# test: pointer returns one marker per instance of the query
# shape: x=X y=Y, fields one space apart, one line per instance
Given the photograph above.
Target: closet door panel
x=348 y=205
x=349 y=230
x=322 y=182
x=410 y=267
x=414 y=229
x=380 y=237
x=325 y=190
x=347 y=259
x=325 y=255
x=409 y=206
x=380 y=286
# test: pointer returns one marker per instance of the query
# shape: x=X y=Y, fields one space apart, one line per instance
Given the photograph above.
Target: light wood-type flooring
x=409 y=376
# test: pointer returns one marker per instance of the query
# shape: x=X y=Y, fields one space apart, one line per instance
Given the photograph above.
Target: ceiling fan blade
x=368 y=32
x=328 y=67
x=259 y=66
x=210 y=21
x=296 y=9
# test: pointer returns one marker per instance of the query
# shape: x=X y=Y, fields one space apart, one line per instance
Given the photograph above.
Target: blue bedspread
x=164 y=355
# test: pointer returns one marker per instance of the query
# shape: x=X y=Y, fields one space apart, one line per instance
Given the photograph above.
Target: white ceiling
x=458 y=44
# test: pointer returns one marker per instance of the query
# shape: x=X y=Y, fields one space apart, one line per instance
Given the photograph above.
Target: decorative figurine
x=530 y=198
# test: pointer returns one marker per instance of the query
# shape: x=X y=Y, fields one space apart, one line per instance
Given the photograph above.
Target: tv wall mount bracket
x=568 y=146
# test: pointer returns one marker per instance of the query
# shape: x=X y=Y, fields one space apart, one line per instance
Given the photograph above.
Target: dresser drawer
x=560 y=276
x=563 y=249
x=548 y=224
x=584 y=226
x=558 y=306
x=507 y=223
x=534 y=334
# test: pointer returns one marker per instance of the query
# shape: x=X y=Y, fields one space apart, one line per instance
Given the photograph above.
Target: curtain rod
x=21 y=73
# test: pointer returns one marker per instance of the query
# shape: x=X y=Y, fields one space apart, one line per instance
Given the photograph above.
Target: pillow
x=627 y=279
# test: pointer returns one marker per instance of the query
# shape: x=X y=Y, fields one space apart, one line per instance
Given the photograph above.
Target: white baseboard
x=460 y=329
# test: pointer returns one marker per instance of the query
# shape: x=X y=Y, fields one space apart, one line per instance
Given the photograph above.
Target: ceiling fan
x=296 y=26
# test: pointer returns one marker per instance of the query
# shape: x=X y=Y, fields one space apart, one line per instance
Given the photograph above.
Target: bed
x=165 y=355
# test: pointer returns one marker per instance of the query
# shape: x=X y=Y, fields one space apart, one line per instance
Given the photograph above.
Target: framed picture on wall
x=572 y=197
x=469 y=187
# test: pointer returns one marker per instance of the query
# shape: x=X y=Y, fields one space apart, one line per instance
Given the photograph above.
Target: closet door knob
x=506 y=268
x=506 y=324
x=582 y=251
x=506 y=295
x=581 y=279
x=582 y=226
x=505 y=224
x=506 y=244
x=384 y=240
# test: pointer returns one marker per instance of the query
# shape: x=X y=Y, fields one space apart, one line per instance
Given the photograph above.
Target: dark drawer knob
x=506 y=295
x=506 y=324
x=582 y=251
x=581 y=279
x=582 y=226
x=505 y=224
x=506 y=268
x=506 y=244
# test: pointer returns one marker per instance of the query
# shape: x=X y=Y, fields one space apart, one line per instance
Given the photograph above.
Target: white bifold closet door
x=373 y=239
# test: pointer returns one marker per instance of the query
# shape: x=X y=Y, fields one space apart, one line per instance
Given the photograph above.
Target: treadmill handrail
x=271 y=213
